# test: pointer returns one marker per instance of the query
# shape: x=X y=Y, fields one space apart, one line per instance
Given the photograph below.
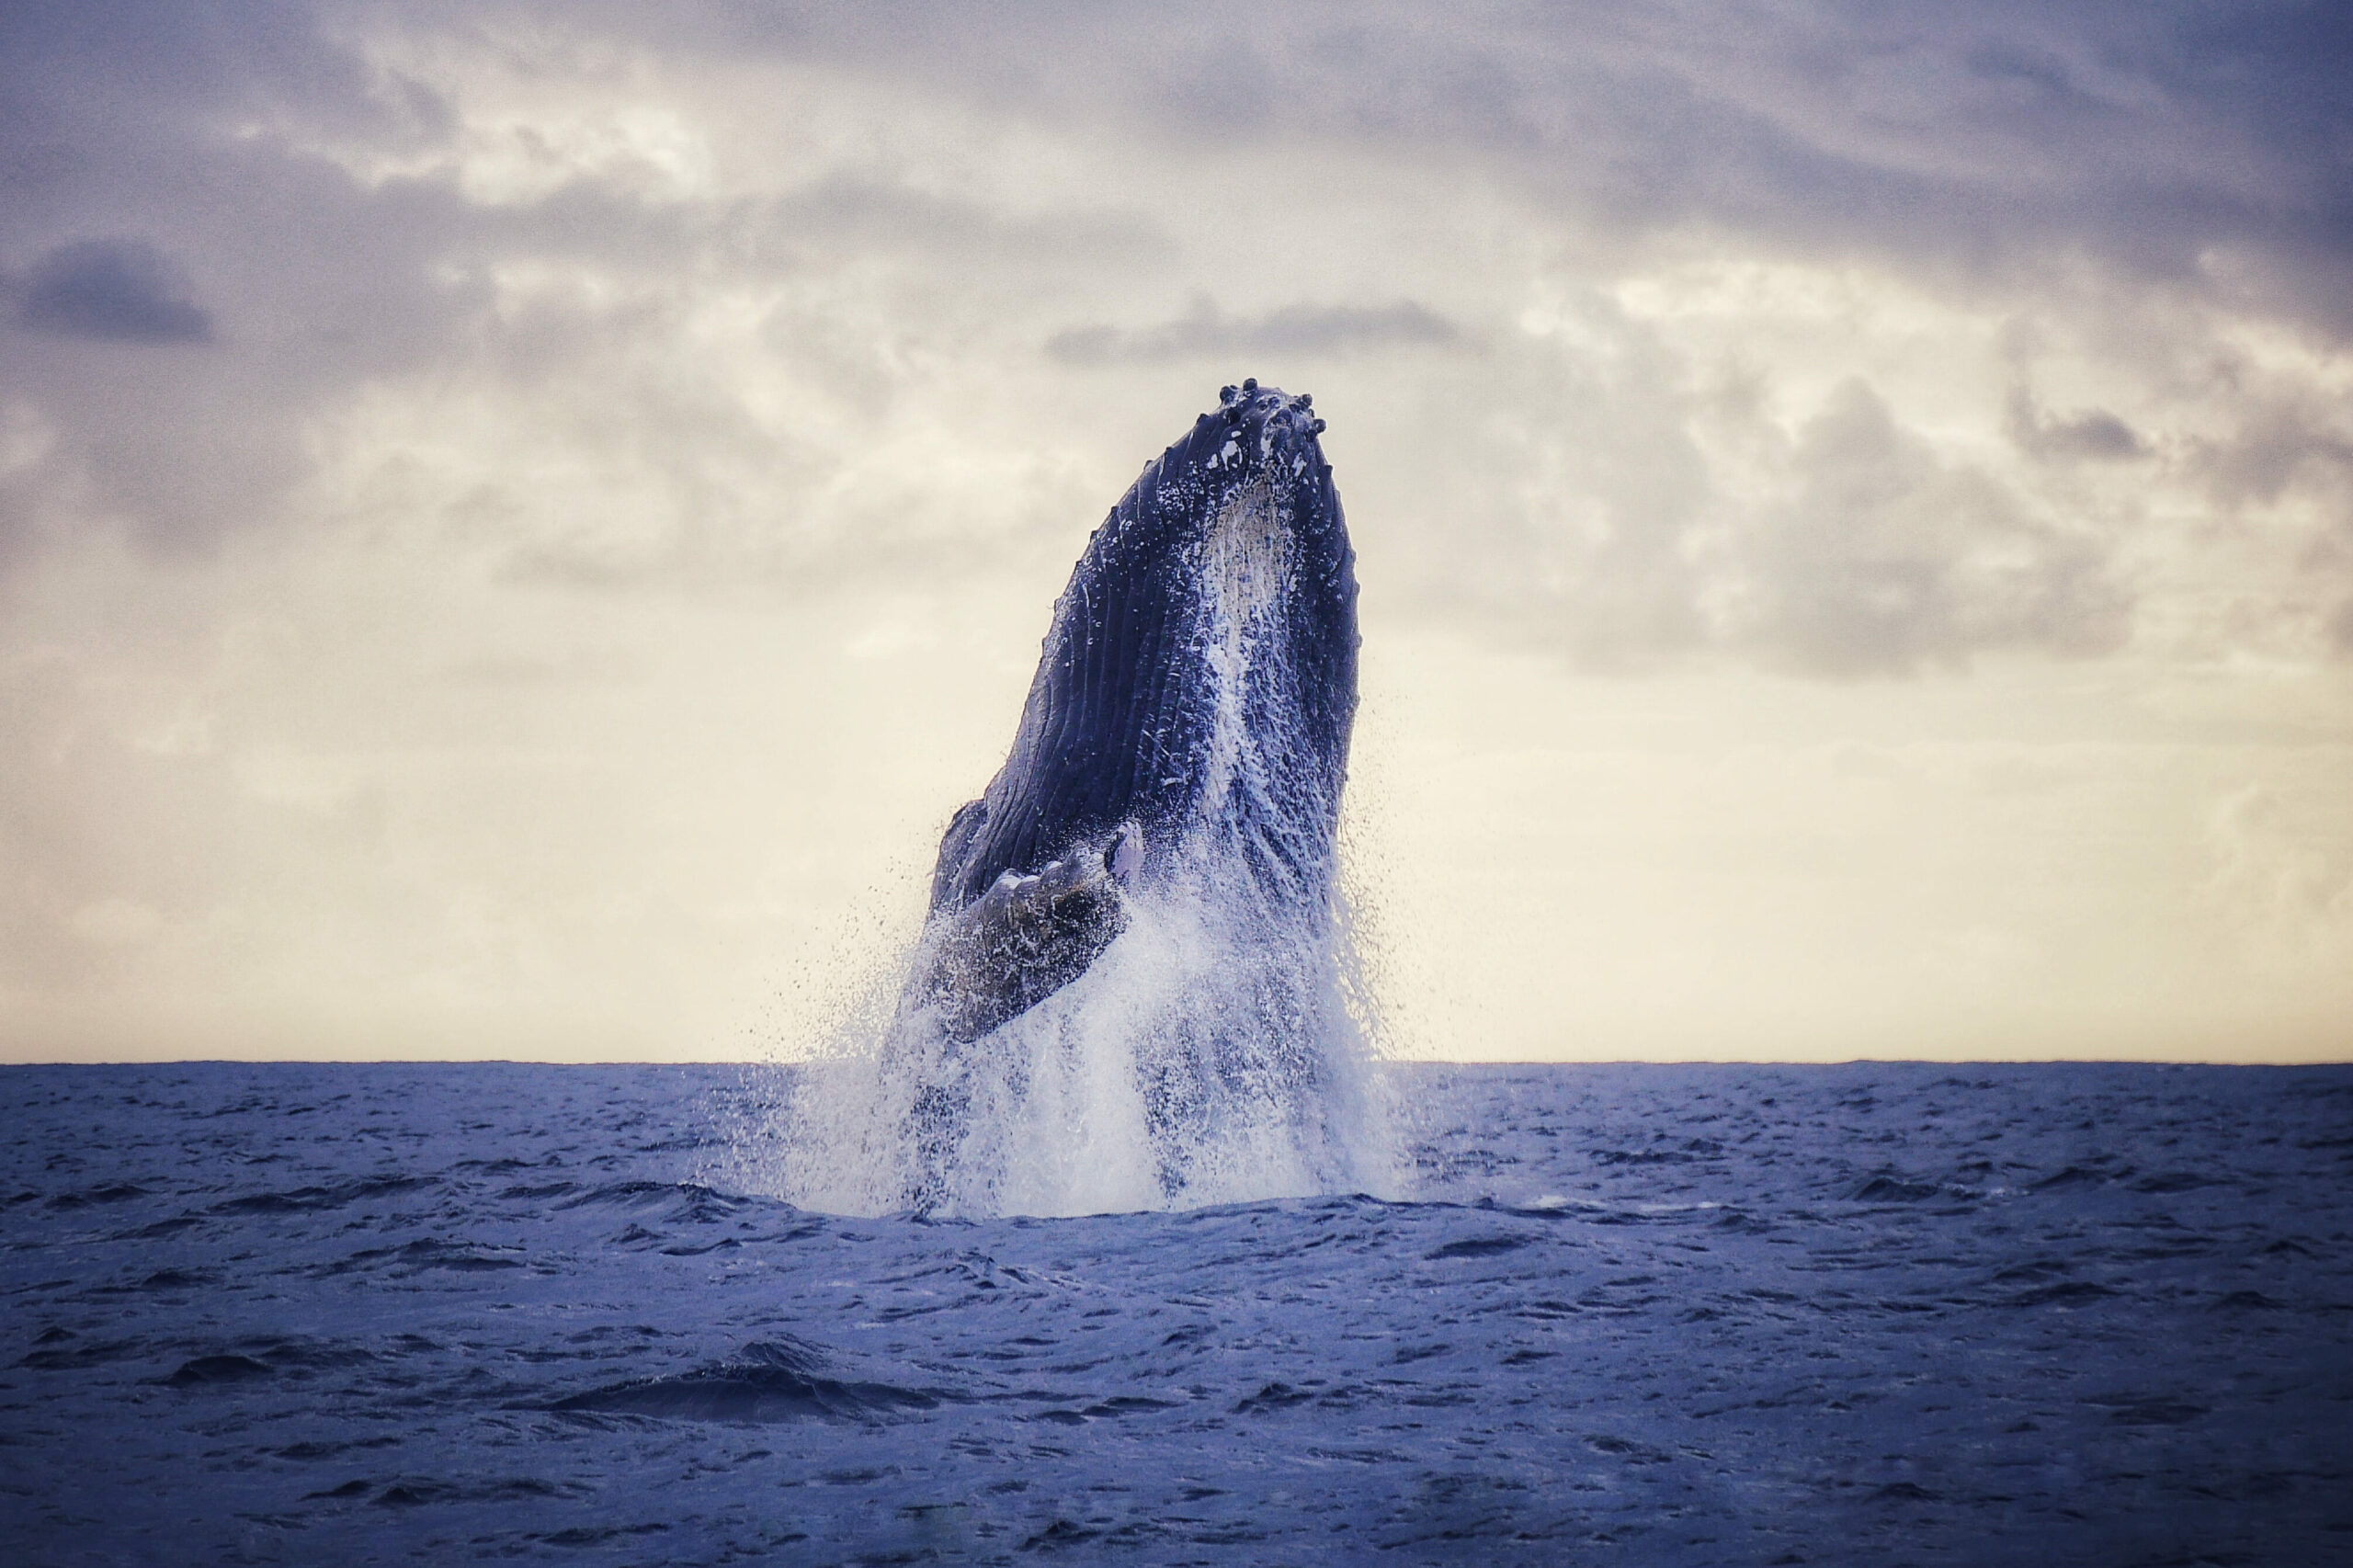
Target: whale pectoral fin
x=1020 y=942
x=955 y=845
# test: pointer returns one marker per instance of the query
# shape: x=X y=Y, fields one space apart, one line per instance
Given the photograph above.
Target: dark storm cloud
x=1205 y=331
x=119 y=291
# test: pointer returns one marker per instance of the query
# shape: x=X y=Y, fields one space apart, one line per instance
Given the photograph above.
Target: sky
x=518 y=522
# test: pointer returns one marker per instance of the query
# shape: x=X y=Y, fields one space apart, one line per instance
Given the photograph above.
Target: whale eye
x=1316 y=428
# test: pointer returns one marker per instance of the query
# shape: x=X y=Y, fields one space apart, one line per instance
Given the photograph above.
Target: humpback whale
x=1186 y=738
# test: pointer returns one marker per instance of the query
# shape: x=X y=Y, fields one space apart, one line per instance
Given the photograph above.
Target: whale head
x=1197 y=683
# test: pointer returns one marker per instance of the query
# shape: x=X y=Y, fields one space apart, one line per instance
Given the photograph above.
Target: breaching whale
x=1187 y=727
x=1193 y=700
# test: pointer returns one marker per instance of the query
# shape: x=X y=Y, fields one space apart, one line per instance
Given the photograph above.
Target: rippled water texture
x=1638 y=1314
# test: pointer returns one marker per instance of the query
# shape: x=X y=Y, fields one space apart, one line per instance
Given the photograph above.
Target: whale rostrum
x=1189 y=720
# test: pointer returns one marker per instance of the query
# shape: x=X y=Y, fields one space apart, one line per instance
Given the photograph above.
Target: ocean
x=1868 y=1314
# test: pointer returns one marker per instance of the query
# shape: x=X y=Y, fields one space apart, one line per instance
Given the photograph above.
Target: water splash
x=1211 y=1054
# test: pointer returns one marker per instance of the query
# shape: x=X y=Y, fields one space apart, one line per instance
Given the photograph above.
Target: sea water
x=2094 y=1314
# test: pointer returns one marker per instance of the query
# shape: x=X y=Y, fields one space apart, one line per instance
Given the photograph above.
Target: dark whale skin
x=1121 y=735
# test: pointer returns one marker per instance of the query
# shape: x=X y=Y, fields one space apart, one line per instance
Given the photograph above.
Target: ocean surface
x=1630 y=1314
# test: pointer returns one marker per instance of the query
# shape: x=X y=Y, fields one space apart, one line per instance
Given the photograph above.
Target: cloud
x=115 y=290
x=2285 y=879
x=1205 y=332
x=846 y=211
x=2174 y=143
x=2091 y=435
x=1887 y=558
x=1603 y=506
x=2280 y=443
x=135 y=156
x=581 y=264
x=2340 y=630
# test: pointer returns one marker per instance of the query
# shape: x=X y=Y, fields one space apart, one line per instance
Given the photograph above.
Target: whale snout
x=1264 y=440
x=1282 y=428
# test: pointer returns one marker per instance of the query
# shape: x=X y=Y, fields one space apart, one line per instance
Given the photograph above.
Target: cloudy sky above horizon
x=518 y=522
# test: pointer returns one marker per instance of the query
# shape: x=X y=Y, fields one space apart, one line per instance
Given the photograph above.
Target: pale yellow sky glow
x=518 y=525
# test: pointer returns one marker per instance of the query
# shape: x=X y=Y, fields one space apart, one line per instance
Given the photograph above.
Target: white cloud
x=2286 y=883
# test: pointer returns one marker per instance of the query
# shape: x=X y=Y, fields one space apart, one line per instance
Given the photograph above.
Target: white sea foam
x=1213 y=1054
